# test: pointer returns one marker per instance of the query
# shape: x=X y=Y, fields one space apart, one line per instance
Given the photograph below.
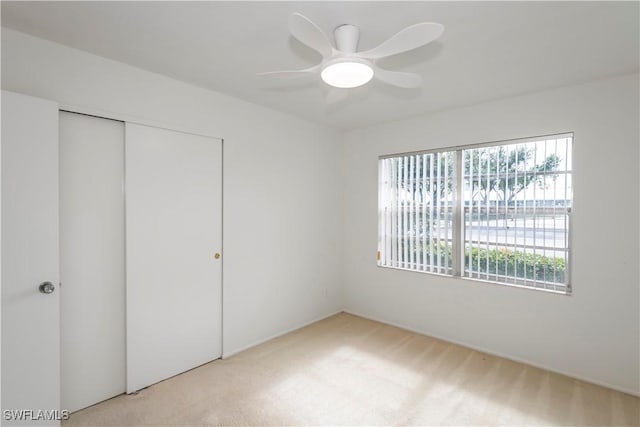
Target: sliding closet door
x=173 y=217
x=92 y=304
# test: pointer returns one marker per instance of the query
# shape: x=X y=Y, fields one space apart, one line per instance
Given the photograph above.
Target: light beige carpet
x=349 y=371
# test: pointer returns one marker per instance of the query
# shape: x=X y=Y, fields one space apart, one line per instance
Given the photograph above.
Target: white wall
x=593 y=334
x=281 y=208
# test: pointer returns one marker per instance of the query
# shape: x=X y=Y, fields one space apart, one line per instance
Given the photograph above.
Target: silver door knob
x=46 y=287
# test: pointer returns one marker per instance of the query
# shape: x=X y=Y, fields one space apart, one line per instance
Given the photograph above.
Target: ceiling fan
x=343 y=66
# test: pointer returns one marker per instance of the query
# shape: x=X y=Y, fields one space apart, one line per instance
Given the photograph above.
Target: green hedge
x=517 y=264
x=504 y=262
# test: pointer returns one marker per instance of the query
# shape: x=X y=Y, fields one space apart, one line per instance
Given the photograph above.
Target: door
x=173 y=220
x=92 y=296
x=30 y=317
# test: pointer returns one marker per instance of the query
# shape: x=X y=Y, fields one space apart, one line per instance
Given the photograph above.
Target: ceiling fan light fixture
x=347 y=74
x=343 y=66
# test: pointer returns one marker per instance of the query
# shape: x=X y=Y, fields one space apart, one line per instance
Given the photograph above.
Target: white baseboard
x=279 y=334
x=495 y=353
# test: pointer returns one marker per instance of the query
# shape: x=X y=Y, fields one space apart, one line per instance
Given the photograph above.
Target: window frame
x=458 y=222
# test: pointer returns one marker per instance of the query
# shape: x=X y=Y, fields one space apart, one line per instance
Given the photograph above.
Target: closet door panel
x=92 y=296
x=174 y=229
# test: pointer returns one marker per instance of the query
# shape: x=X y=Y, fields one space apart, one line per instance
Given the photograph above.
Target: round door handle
x=46 y=287
x=216 y=255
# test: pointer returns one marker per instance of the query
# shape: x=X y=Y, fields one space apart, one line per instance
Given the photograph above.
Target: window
x=496 y=212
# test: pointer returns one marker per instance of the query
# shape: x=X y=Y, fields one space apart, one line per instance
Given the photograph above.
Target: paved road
x=501 y=233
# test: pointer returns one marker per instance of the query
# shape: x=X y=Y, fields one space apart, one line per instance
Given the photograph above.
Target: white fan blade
x=397 y=78
x=410 y=38
x=336 y=96
x=291 y=74
x=310 y=34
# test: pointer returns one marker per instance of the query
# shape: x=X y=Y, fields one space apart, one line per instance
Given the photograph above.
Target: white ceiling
x=489 y=50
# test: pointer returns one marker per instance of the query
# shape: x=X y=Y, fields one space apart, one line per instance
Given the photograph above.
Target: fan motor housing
x=347 y=37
